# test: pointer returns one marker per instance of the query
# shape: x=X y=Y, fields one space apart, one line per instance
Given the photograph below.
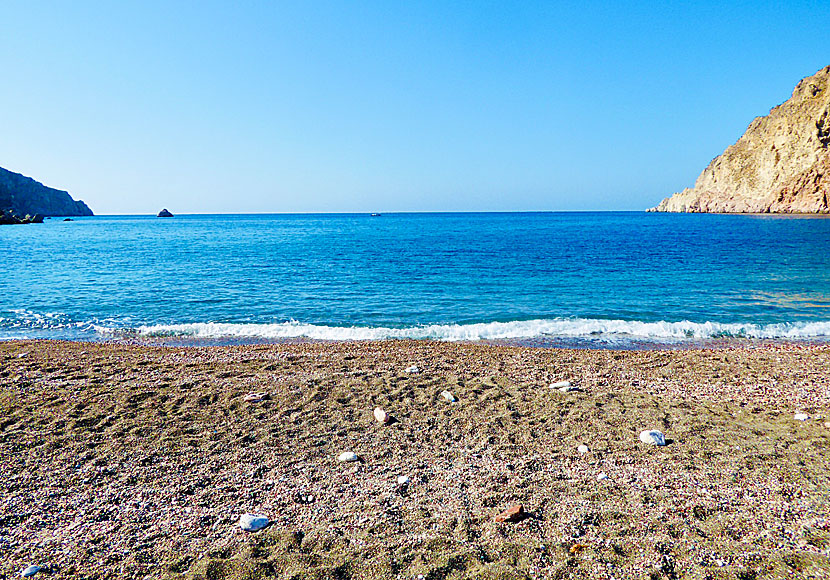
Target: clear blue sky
x=377 y=106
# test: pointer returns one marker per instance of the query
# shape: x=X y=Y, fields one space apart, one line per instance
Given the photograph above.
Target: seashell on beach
x=255 y=397
x=583 y=449
x=381 y=416
x=347 y=456
x=448 y=396
x=801 y=416
x=30 y=571
x=653 y=437
x=253 y=522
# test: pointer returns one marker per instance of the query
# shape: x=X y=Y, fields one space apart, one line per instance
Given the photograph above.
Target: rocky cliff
x=780 y=165
x=22 y=195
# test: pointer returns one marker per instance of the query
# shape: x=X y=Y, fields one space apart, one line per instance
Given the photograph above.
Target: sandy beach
x=127 y=461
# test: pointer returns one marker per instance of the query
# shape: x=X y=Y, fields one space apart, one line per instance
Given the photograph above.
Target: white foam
x=587 y=328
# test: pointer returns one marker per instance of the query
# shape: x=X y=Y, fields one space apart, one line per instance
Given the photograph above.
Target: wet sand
x=122 y=461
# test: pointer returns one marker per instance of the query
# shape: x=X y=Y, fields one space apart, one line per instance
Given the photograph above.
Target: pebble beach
x=139 y=461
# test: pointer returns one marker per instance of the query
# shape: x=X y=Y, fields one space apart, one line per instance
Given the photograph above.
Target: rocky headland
x=781 y=164
x=21 y=196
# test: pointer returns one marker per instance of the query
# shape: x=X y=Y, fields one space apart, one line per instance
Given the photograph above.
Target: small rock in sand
x=827 y=424
x=255 y=397
x=381 y=416
x=602 y=476
x=30 y=571
x=448 y=396
x=347 y=456
x=403 y=479
x=253 y=522
x=801 y=416
x=514 y=513
x=24 y=355
x=565 y=387
x=583 y=449
x=653 y=437
x=413 y=369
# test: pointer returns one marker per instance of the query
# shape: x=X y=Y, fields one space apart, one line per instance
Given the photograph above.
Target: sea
x=587 y=280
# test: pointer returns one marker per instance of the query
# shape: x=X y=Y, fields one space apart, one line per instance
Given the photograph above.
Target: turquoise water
x=546 y=278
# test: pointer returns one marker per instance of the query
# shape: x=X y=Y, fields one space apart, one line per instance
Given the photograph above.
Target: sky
x=239 y=107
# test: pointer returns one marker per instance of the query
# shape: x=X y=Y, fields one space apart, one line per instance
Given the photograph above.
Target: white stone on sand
x=413 y=369
x=403 y=479
x=653 y=437
x=560 y=385
x=30 y=571
x=381 y=416
x=583 y=449
x=801 y=416
x=253 y=522
x=347 y=456
x=602 y=476
x=255 y=397
x=448 y=396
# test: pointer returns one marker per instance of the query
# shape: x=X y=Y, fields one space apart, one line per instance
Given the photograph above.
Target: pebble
x=827 y=424
x=602 y=476
x=253 y=522
x=347 y=456
x=514 y=513
x=565 y=387
x=413 y=369
x=256 y=397
x=653 y=437
x=24 y=355
x=801 y=416
x=583 y=449
x=381 y=416
x=30 y=571
x=403 y=479
x=448 y=396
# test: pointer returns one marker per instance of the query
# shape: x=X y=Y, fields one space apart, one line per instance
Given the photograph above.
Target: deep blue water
x=596 y=277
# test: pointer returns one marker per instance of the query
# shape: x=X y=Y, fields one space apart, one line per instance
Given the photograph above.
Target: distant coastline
x=21 y=196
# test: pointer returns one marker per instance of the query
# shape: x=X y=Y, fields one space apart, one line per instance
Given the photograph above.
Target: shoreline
x=129 y=461
x=545 y=343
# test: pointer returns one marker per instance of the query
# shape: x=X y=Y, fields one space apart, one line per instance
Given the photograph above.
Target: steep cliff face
x=23 y=195
x=780 y=165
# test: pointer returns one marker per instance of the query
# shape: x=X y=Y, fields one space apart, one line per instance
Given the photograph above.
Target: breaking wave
x=567 y=328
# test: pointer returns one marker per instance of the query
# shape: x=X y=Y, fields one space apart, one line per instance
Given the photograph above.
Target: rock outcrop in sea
x=21 y=196
x=781 y=164
x=8 y=218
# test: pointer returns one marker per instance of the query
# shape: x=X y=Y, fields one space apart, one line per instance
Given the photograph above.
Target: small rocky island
x=780 y=165
x=165 y=213
x=24 y=200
